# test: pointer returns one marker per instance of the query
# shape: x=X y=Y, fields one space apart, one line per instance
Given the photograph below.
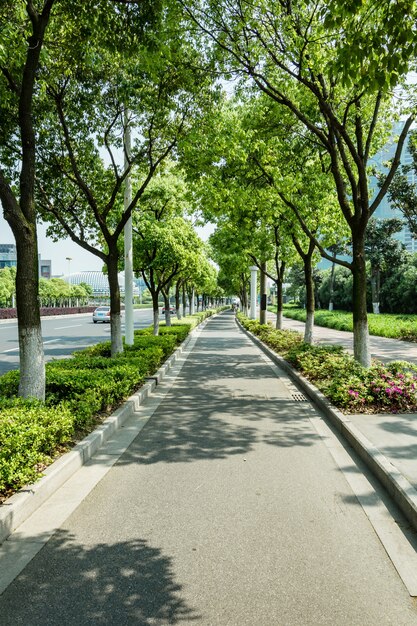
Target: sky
x=59 y=252
x=81 y=260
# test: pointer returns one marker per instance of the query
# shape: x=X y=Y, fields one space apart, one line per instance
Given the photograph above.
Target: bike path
x=228 y=508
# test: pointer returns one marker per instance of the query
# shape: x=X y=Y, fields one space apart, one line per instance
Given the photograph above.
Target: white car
x=101 y=314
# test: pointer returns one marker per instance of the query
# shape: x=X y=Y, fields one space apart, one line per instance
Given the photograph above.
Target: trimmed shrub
x=29 y=434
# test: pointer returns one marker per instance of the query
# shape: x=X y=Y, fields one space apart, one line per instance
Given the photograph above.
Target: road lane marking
x=64 y=327
x=17 y=349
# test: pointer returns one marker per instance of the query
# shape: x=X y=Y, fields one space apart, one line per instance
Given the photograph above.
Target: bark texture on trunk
x=309 y=327
x=308 y=276
x=331 y=288
x=31 y=354
x=361 y=348
x=155 y=308
x=262 y=312
x=167 y=310
x=177 y=301
x=115 y=320
x=280 y=299
x=375 y=286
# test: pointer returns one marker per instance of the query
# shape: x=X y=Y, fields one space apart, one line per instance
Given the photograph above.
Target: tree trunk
x=115 y=318
x=177 y=300
x=280 y=307
x=308 y=276
x=184 y=301
x=167 y=308
x=361 y=347
x=32 y=362
x=155 y=308
x=21 y=217
x=331 y=287
x=375 y=290
x=263 y=295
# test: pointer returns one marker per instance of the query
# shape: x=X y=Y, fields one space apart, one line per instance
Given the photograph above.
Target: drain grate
x=299 y=397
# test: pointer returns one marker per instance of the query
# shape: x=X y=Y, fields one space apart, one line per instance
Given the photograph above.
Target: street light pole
x=253 y=291
x=69 y=259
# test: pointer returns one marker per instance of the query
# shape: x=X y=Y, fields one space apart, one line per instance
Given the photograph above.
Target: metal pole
x=129 y=335
x=253 y=288
x=69 y=259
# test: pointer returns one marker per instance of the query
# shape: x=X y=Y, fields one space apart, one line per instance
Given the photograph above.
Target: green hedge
x=29 y=435
x=349 y=386
x=78 y=391
x=402 y=326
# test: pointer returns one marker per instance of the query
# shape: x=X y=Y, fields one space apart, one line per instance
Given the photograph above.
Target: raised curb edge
x=400 y=489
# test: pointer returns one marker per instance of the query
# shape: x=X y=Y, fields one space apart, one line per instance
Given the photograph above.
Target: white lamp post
x=69 y=259
x=253 y=294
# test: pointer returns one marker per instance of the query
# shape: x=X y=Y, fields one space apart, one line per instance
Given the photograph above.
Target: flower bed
x=381 y=388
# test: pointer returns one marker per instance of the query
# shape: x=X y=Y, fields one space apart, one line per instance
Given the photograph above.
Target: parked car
x=171 y=310
x=101 y=314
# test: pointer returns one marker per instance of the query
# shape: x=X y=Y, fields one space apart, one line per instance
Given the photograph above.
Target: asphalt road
x=61 y=336
x=228 y=509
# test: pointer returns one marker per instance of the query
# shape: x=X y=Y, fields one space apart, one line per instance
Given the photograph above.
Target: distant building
x=45 y=268
x=99 y=282
x=8 y=255
x=8 y=258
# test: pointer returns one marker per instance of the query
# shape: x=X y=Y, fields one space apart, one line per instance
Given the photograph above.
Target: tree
x=19 y=66
x=382 y=251
x=7 y=286
x=403 y=190
x=290 y=53
x=36 y=37
x=163 y=249
x=80 y=192
x=229 y=253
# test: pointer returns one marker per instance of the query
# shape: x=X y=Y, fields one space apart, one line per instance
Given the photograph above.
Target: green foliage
x=78 y=391
x=383 y=325
x=29 y=436
x=279 y=340
x=9 y=384
x=7 y=285
x=349 y=386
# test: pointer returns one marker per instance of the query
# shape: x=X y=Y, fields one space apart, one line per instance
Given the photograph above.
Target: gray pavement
x=394 y=435
x=228 y=508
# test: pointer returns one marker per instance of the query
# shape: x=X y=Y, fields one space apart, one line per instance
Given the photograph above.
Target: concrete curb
x=399 y=488
x=27 y=500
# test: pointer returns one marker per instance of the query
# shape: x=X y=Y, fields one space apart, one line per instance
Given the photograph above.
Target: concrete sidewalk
x=234 y=505
x=394 y=435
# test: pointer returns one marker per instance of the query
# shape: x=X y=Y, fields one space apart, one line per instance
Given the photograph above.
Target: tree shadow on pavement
x=204 y=427
x=69 y=583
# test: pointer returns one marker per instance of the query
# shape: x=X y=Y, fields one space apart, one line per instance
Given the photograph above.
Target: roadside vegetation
x=401 y=326
x=382 y=388
x=80 y=393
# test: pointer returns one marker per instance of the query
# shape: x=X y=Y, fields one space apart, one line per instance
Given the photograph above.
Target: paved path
x=228 y=509
x=382 y=348
x=394 y=435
